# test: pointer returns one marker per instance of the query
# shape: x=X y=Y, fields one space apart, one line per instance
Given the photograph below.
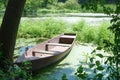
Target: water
x=78 y=56
x=68 y=66
x=93 y=21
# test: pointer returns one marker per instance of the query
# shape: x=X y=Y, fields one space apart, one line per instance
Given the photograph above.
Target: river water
x=94 y=21
x=78 y=56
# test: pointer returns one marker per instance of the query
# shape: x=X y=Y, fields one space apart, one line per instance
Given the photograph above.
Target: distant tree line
x=107 y=1
x=82 y=1
x=32 y=6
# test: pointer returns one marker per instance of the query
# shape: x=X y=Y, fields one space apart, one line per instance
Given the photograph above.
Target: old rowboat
x=49 y=51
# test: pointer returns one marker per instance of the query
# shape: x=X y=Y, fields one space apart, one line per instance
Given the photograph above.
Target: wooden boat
x=49 y=51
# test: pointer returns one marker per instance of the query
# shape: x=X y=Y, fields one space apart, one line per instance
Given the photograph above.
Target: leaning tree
x=8 y=32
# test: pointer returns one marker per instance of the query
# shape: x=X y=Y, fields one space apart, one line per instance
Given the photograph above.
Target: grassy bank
x=32 y=28
x=41 y=28
x=49 y=28
x=92 y=34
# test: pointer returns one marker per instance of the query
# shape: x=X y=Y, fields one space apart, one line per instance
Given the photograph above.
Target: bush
x=49 y=28
x=95 y=34
x=30 y=28
x=53 y=28
x=72 y=5
x=38 y=28
x=89 y=34
x=103 y=33
x=78 y=28
x=61 y=5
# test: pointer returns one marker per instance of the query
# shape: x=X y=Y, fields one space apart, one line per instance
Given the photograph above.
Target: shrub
x=103 y=33
x=89 y=34
x=79 y=26
x=53 y=27
x=38 y=28
x=30 y=28
x=95 y=34
x=61 y=5
x=72 y=4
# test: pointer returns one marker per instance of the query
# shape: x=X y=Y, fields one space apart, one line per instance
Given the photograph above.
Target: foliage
x=95 y=34
x=64 y=77
x=30 y=28
x=99 y=66
x=35 y=8
x=16 y=72
x=81 y=73
x=113 y=48
x=37 y=28
x=103 y=34
x=31 y=7
x=79 y=26
x=71 y=4
x=3 y=4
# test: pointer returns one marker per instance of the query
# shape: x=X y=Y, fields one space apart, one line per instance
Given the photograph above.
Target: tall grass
x=38 y=28
x=33 y=28
x=92 y=34
x=103 y=33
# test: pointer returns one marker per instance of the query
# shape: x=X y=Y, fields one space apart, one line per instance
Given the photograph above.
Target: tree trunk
x=8 y=31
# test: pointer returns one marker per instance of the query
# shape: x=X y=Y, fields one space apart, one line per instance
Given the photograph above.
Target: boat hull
x=40 y=63
x=51 y=53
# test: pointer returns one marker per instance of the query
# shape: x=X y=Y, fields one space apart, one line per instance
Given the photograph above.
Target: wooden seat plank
x=44 y=52
x=68 y=36
x=58 y=44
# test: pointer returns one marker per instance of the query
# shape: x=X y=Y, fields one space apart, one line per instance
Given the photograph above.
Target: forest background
x=42 y=7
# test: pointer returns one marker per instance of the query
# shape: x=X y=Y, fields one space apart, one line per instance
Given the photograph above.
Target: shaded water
x=78 y=56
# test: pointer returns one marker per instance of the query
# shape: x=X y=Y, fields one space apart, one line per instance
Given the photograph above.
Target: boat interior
x=51 y=47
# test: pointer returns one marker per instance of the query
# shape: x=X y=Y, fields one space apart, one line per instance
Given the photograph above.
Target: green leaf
x=80 y=69
x=99 y=76
x=100 y=68
x=91 y=65
x=99 y=48
x=94 y=70
x=93 y=51
x=106 y=62
x=100 y=55
x=64 y=77
x=91 y=59
x=110 y=58
x=81 y=76
x=97 y=63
